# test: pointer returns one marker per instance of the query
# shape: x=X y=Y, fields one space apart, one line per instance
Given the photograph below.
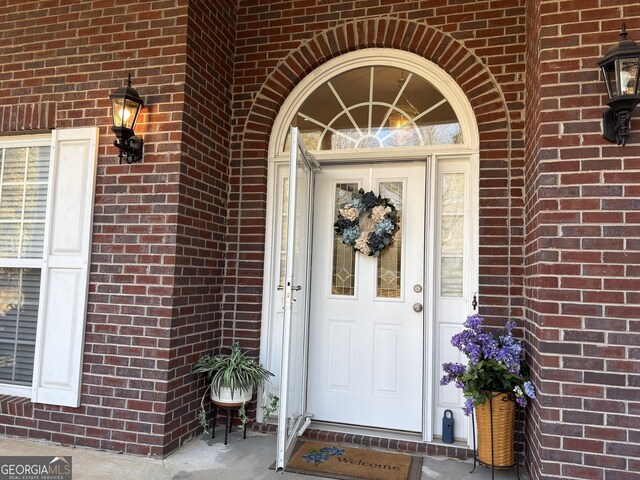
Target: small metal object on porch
x=417 y=307
x=229 y=420
x=447 y=427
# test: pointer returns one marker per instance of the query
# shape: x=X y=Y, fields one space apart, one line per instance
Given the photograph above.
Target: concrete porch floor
x=207 y=459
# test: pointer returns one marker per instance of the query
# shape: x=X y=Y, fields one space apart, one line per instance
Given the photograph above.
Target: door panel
x=366 y=348
x=292 y=412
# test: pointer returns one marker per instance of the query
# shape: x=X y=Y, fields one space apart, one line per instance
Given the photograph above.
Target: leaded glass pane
x=343 y=269
x=452 y=235
x=389 y=269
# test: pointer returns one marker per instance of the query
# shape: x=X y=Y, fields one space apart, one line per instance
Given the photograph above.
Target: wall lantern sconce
x=620 y=69
x=126 y=105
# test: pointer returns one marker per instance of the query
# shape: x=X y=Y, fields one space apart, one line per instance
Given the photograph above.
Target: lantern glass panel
x=125 y=112
x=130 y=113
x=609 y=79
x=628 y=68
x=117 y=105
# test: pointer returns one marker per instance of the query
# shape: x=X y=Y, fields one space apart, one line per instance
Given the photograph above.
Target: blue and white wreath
x=367 y=222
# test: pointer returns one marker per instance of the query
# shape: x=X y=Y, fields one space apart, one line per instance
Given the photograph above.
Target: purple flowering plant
x=495 y=364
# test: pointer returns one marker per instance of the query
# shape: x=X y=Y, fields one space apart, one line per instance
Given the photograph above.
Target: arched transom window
x=376 y=106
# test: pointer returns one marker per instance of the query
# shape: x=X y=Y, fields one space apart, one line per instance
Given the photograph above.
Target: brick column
x=582 y=252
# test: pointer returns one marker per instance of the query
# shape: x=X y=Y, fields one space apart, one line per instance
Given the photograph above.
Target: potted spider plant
x=231 y=379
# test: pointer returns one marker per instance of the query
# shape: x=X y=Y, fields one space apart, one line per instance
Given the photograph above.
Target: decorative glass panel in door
x=343 y=257
x=389 y=271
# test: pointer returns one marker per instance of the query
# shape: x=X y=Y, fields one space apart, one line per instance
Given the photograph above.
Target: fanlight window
x=376 y=107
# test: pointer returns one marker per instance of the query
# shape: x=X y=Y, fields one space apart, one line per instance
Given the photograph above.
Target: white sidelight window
x=47 y=187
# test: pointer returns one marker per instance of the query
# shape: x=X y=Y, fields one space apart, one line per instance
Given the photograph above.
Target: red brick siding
x=532 y=150
x=481 y=44
x=581 y=252
x=204 y=179
x=59 y=60
x=159 y=292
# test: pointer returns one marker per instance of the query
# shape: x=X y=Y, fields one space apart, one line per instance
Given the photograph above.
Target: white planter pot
x=239 y=396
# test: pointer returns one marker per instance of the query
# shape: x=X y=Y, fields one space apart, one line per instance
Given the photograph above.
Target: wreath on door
x=367 y=222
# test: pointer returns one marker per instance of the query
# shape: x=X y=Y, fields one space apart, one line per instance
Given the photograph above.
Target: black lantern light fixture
x=620 y=69
x=126 y=105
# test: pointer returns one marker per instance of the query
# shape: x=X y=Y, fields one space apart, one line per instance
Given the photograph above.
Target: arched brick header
x=498 y=119
x=386 y=32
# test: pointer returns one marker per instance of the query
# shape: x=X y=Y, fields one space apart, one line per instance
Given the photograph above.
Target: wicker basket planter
x=498 y=415
x=238 y=398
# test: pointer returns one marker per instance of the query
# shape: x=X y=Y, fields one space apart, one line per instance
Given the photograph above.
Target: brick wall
x=166 y=284
x=204 y=178
x=532 y=150
x=154 y=295
x=581 y=251
x=481 y=44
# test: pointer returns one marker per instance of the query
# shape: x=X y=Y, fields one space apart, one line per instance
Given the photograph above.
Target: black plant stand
x=228 y=408
x=476 y=461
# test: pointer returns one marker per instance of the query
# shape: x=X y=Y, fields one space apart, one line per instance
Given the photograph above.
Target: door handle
x=417 y=307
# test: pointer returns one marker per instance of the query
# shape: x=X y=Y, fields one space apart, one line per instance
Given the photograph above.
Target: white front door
x=366 y=320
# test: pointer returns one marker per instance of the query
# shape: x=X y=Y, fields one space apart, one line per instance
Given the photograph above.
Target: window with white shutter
x=47 y=186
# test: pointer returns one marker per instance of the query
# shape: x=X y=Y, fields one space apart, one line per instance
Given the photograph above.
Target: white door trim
x=459 y=102
x=429 y=294
x=432 y=371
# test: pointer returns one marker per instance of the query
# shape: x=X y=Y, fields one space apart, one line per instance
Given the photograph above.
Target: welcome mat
x=346 y=463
